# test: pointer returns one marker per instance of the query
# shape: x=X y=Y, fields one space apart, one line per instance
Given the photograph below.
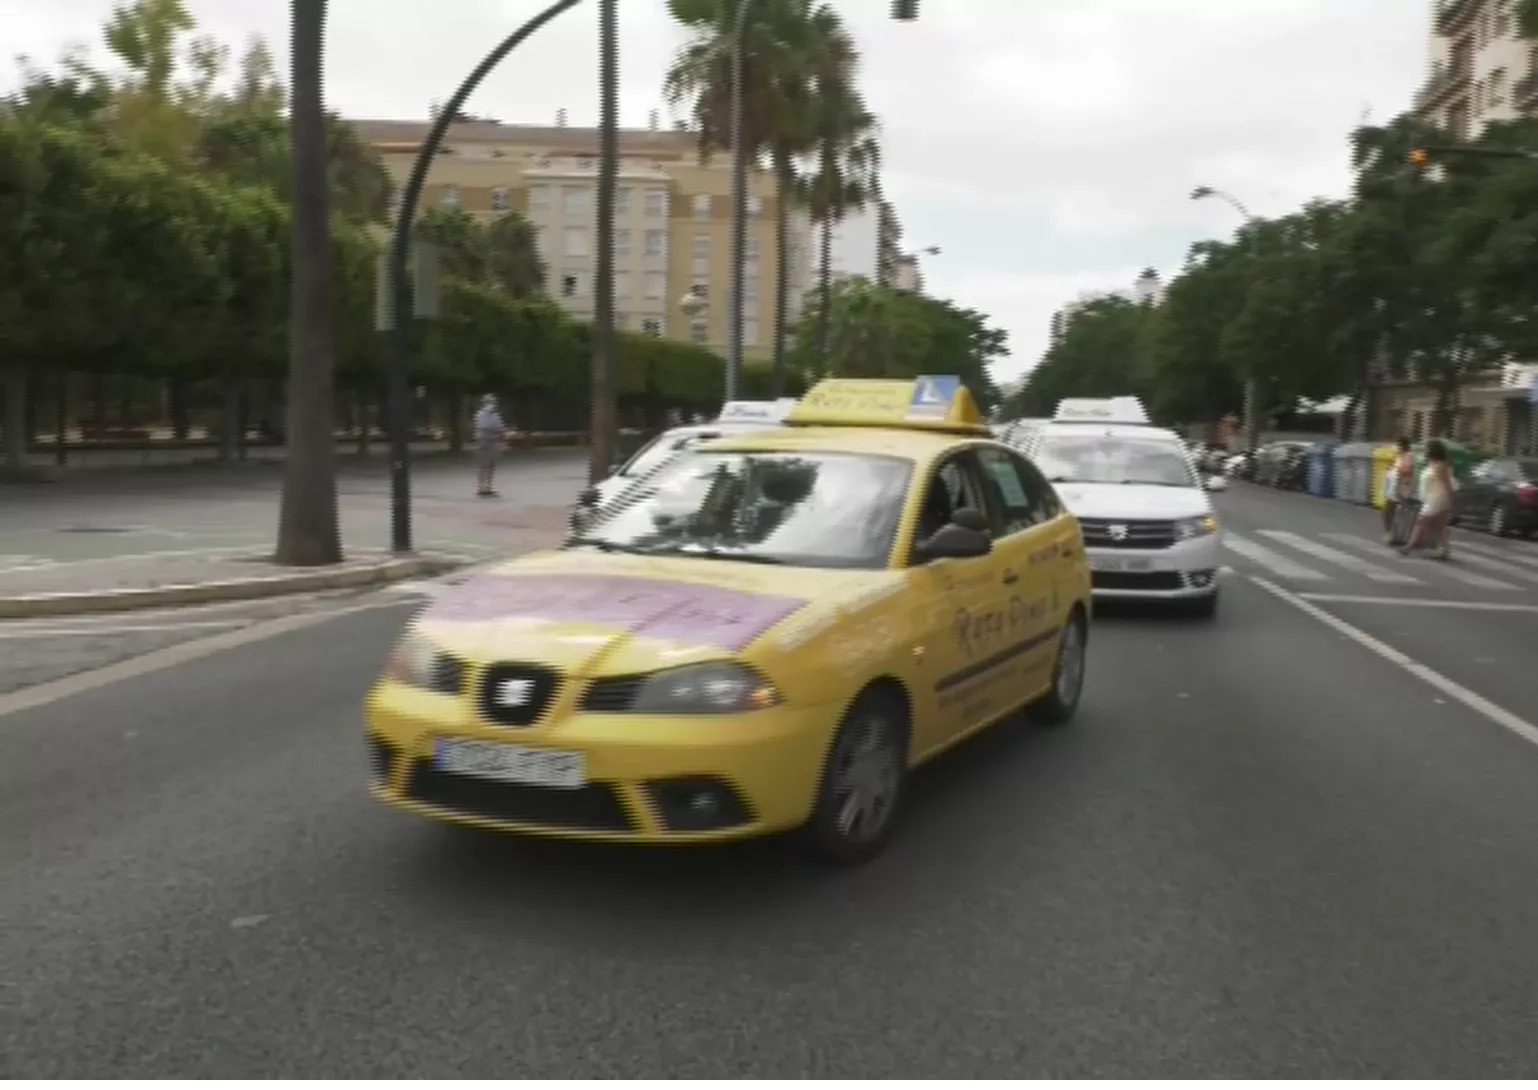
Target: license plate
x=1120 y=563
x=509 y=763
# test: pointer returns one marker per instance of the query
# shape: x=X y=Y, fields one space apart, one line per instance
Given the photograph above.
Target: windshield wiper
x=712 y=553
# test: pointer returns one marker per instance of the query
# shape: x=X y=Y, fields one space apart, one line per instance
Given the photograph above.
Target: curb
x=230 y=590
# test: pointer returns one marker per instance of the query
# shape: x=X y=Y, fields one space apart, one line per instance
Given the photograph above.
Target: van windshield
x=1115 y=459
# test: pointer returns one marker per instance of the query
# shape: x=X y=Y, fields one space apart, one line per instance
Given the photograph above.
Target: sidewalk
x=87 y=549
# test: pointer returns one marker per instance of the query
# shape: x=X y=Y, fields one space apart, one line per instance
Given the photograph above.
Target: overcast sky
x=1048 y=148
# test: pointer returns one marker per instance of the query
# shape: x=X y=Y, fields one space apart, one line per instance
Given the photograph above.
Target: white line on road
x=1343 y=559
x=1429 y=603
x=51 y=692
x=27 y=632
x=1495 y=552
x=1445 y=685
x=1473 y=579
x=1461 y=555
x=1272 y=561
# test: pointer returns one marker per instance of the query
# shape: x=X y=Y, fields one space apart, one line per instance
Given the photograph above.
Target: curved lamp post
x=1251 y=418
x=400 y=244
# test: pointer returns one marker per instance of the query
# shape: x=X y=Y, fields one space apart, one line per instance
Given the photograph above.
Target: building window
x=699 y=290
x=750 y=331
x=539 y=200
x=576 y=242
x=621 y=243
x=656 y=244
x=656 y=285
x=700 y=247
x=702 y=207
x=755 y=205
x=750 y=248
x=699 y=332
x=450 y=197
x=571 y=286
x=657 y=203
x=652 y=327
x=750 y=290
x=701 y=266
x=621 y=284
x=622 y=201
x=499 y=199
x=577 y=200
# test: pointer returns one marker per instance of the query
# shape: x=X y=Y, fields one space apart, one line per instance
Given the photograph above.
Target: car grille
x=517 y=694
x=597 y=807
x=1129 y=533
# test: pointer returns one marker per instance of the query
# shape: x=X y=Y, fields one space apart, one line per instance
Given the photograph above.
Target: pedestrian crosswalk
x=1334 y=557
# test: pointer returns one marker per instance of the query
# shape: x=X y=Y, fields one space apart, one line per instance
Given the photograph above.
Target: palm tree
x=847 y=177
x=308 y=530
x=783 y=44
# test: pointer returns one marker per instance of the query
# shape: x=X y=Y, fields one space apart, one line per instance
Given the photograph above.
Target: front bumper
x=646 y=776
x=1187 y=569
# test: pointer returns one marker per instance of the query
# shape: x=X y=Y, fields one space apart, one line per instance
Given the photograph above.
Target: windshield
x=662 y=448
x=807 y=509
x=1115 y=459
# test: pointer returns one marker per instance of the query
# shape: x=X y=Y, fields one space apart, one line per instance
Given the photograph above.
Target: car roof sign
x=755 y=412
x=924 y=403
x=1100 y=410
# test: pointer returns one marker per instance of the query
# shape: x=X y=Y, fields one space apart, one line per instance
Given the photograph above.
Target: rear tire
x=864 y=780
x=1058 y=706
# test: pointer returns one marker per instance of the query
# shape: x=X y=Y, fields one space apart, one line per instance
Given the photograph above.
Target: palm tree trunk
x=782 y=168
x=602 y=425
x=308 y=530
x=15 y=425
x=824 y=283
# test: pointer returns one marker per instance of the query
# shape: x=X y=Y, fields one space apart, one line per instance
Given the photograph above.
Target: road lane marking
x=1464 y=556
x=1430 y=603
x=1473 y=579
x=1273 y=561
x=1495 y=552
x=51 y=692
x=1342 y=559
x=27 y=632
x=1492 y=711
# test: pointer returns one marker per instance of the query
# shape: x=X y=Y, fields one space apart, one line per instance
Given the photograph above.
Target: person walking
x=1434 y=523
x=490 y=437
x=1398 y=494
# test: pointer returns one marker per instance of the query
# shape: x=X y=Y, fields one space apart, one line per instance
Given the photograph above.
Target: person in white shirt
x=490 y=437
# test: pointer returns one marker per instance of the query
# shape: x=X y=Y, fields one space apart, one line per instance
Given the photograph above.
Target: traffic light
x=905 y=11
x=1420 y=158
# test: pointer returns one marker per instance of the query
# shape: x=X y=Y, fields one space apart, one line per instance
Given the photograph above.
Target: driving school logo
x=979 y=632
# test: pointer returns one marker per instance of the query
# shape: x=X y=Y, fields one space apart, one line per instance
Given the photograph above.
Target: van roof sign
x=755 y=412
x=925 y=403
x=1100 y=410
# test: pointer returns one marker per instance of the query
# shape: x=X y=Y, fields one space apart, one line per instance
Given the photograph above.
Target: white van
x=1148 y=522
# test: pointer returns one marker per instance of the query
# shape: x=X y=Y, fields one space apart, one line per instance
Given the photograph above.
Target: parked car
x=1500 y=496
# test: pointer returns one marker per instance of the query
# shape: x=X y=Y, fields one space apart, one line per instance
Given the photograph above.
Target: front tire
x=864 y=780
x=1497 y=521
x=1057 y=708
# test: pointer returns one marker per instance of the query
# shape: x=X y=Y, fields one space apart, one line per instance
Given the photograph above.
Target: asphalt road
x=1262 y=850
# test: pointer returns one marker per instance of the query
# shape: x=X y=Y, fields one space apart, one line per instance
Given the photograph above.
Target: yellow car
x=767 y=636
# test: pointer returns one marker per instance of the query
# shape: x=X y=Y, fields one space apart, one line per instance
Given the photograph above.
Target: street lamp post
x=1251 y=394
x=399 y=377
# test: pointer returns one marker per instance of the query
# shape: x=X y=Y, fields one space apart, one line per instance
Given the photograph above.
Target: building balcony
x=1454 y=15
x=1446 y=81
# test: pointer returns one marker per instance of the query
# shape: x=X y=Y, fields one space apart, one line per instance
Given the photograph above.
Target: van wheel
x=864 y=779
x=1062 y=700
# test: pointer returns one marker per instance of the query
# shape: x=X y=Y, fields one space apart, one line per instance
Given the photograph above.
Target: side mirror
x=955 y=542
x=1217 y=484
x=587 y=497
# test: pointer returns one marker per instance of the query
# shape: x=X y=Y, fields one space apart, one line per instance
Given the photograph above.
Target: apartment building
x=672 y=219
x=1479 y=70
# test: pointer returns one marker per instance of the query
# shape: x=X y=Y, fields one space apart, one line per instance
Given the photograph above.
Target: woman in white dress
x=1436 y=503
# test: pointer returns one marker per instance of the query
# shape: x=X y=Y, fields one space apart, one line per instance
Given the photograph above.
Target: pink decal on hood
x=646 y=607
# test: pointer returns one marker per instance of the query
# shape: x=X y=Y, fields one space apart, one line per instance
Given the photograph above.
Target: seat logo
x=515 y=692
x=1118 y=532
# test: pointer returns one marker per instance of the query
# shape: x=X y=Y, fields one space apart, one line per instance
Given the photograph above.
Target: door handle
x=1010 y=578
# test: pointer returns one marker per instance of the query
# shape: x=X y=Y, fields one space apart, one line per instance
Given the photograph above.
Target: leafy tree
x=503 y=253
x=1098 y=354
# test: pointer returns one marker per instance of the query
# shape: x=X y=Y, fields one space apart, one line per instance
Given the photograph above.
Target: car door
x=1473 y=497
x=1036 y=544
x=953 y=599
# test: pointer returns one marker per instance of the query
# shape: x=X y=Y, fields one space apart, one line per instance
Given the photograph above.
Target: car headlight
x=1186 y=529
x=418 y=662
x=707 y=688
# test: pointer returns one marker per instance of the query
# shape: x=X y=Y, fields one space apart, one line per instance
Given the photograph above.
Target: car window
x=1114 y=459
x=951 y=485
x=808 y=509
x=1022 y=497
x=660 y=449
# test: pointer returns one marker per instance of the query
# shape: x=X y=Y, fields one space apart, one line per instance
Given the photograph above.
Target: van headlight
x=1186 y=529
